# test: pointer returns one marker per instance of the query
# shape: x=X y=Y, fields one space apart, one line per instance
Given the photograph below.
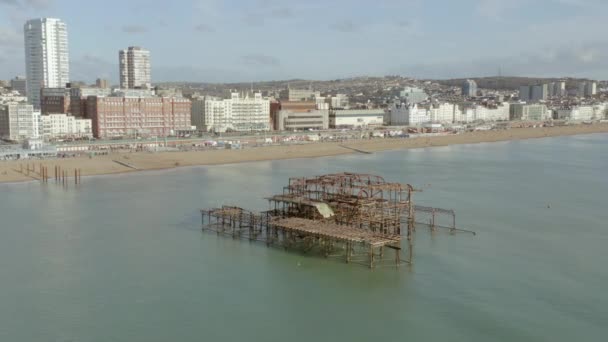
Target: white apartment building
x=54 y=126
x=498 y=113
x=406 y=115
x=582 y=113
x=46 y=56
x=465 y=114
x=444 y=113
x=237 y=113
x=19 y=121
x=529 y=112
x=134 y=68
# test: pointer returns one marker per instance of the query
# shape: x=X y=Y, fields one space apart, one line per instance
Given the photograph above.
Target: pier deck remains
x=359 y=218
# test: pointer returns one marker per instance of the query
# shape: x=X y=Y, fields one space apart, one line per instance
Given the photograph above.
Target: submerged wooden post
x=348 y=252
x=397 y=258
x=371 y=256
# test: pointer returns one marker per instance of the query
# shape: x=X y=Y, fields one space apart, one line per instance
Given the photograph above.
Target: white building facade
x=352 y=118
x=19 y=121
x=54 y=126
x=291 y=120
x=134 y=65
x=406 y=115
x=495 y=113
x=529 y=112
x=237 y=113
x=582 y=113
x=46 y=56
x=444 y=113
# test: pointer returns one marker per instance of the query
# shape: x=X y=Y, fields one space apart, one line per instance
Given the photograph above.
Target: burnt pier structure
x=358 y=218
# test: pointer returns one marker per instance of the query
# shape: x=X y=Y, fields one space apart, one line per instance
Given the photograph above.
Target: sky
x=256 y=40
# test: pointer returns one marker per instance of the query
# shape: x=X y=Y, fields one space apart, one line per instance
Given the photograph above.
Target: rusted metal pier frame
x=326 y=239
x=357 y=217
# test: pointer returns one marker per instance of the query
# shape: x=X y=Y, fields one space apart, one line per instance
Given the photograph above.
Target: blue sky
x=238 y=40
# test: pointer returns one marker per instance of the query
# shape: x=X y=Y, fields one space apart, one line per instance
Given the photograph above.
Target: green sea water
x=122 y=258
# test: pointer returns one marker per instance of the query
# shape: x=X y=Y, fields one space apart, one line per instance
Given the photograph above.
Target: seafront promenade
x=138 y=161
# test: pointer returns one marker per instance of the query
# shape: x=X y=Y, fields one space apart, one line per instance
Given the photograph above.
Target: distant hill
x=507 y=82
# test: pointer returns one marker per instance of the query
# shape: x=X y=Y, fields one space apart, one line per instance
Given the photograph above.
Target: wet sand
x=10 y=170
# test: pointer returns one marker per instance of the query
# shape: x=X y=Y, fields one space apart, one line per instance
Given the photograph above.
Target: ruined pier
x=358 y=218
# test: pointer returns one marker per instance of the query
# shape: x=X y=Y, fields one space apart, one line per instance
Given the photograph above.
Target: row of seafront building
x=91 y=112
x=106 y=113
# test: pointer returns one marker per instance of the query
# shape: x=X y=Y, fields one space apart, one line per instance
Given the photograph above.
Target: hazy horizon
x=248 y=41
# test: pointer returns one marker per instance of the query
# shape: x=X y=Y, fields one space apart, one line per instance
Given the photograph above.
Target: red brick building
x=54 y=101
x=149 y=116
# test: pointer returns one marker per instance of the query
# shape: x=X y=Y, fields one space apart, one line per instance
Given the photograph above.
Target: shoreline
x=149 y=161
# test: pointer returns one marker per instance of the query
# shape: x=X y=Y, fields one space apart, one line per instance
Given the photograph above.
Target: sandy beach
x=117 y=163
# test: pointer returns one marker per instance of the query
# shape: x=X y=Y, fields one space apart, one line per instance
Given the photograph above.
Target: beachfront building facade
x=238 y=113
x=354 y=118
x=19 y=121
x=444 y=112
x=55 y=126
x=529 y=112
x=402 y=114
x=115 y=116
x=301 y=115
x=583 y=113
x=497 y=112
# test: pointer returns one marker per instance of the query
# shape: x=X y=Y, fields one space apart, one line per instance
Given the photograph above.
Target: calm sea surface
x=122 y=258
